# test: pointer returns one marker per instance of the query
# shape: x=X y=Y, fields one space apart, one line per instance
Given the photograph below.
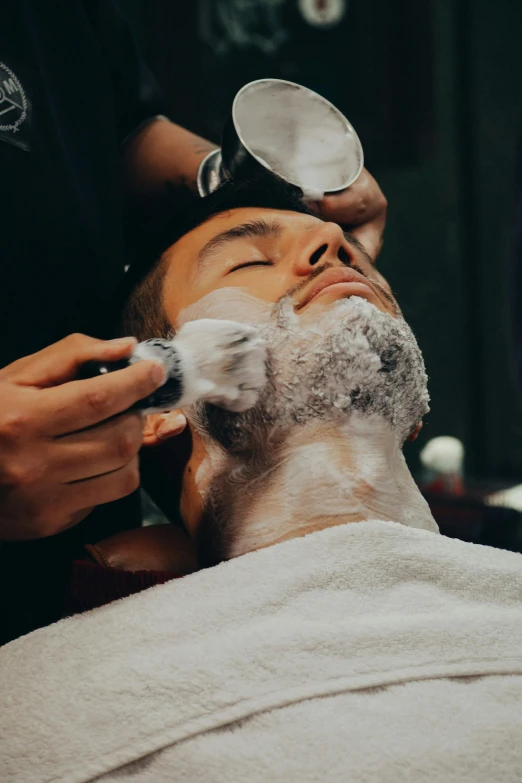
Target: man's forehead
x=195 y=240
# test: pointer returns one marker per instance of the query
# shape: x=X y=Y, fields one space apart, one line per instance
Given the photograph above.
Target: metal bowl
x=284 y=129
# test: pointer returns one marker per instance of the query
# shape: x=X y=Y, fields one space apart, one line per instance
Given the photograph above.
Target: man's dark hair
x=143 y=312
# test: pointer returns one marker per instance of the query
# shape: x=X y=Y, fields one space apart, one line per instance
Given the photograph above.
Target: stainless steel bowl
x=288 y=131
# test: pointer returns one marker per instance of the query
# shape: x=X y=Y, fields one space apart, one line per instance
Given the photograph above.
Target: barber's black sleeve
x=72 y=89
x=516 y=271
x=137 y=97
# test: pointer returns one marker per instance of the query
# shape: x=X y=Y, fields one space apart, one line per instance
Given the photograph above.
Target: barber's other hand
x=362 y=207
x=68 y=445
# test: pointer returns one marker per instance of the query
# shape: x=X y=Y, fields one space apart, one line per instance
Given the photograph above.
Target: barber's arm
x=162 y=154
x=68 y=445
x=157 y=153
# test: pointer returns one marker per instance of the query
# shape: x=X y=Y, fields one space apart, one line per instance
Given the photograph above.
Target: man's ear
x=159 y=427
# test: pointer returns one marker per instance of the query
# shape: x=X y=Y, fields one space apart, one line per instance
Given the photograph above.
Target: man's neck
x=319 y=475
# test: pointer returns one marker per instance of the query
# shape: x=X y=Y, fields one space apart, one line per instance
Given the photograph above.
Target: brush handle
x=167 y=396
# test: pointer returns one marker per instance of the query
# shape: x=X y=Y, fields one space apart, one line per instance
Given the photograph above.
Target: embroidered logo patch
x=14 y=109
x=322 y=13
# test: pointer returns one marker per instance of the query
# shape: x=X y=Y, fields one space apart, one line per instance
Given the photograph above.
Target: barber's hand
x=362 y=206
x=63 y=447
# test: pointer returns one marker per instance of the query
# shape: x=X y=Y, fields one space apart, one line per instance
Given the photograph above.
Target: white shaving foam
x=228 y=303
x=349 y=474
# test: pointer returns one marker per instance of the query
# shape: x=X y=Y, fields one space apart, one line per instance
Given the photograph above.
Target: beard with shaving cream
x=326 y=365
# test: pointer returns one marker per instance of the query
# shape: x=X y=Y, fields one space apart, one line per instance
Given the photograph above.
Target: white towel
x=365 y=652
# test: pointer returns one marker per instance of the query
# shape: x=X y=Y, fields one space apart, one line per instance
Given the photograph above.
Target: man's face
x=336 y=340
x=332 y=356
x=271 y=254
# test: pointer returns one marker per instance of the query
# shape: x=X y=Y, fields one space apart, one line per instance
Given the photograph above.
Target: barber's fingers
x=60 y=362
x=97 y=450
x=102 y=489
x=358 y=204
x=362 y=207
x=79 y=404
x=371 y=236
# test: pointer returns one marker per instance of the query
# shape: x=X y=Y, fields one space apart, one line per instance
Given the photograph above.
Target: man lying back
x=346 y=387
x=339 y=636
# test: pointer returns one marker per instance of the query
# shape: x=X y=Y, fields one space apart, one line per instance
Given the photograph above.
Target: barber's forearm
x=162 y=153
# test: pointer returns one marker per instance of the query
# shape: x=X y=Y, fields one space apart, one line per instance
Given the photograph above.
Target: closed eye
x=246 y=264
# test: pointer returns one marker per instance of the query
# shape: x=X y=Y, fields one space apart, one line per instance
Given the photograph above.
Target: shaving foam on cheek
x=228 y=303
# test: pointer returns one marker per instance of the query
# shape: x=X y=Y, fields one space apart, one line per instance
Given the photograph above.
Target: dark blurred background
x=433 y=88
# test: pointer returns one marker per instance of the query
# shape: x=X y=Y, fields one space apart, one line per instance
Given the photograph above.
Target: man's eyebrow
x=254 y=228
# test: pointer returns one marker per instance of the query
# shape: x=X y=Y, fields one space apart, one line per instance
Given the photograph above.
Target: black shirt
x=72 y=89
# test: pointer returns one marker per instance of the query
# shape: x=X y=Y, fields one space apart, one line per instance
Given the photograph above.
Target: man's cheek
x=228 y=303
x=262 y=288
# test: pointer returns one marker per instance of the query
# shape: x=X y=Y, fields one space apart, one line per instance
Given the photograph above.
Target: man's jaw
x=349 y=356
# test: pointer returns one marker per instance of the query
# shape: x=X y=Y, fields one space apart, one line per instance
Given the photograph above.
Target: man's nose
x=321 y=245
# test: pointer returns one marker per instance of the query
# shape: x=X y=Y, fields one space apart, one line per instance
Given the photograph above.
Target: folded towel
x=370 y=652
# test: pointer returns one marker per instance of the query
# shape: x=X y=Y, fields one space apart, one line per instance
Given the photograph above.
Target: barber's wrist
x=210 y=174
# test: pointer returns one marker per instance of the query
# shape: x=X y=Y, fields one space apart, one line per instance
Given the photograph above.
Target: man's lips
x=332 y=277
